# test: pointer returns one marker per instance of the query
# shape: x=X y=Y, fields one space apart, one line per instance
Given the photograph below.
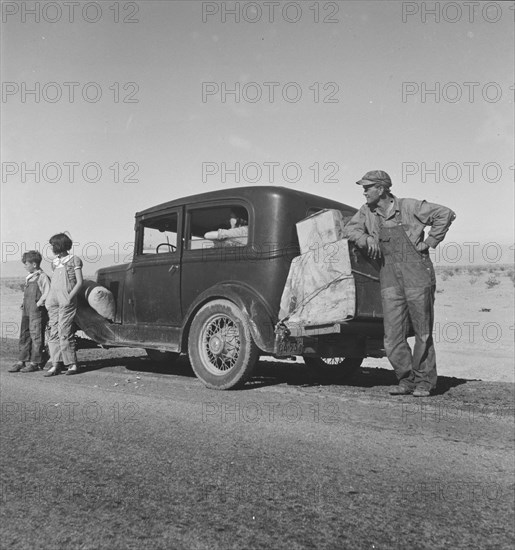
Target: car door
x=208 y=262
x=156 y=270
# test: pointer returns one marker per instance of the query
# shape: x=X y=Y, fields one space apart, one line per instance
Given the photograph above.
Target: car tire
x=162 y=356
x=220 y=346
x=342 y=367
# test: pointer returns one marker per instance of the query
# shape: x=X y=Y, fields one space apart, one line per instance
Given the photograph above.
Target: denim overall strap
x=407 y=292
x=31 y=295
x=61 y=310
x=33 y=323
x=397 y=250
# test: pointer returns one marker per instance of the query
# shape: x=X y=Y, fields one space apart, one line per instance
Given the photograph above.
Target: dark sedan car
x=218 y=300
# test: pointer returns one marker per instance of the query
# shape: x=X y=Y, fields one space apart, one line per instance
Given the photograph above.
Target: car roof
x=263 y=193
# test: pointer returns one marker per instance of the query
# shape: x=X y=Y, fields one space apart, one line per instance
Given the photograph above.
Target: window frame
x=211 y=205
x=140 y=234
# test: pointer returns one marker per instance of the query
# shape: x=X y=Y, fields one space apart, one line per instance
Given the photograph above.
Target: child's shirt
x=43 y=281
x=70 y=263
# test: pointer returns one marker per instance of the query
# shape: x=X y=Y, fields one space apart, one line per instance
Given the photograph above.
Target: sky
x=117 y=106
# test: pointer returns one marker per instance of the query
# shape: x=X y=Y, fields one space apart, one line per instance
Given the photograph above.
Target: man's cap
x=375 y=176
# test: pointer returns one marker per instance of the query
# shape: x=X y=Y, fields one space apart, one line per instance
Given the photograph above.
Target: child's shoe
x=72 y=369
x=30 y=367
x=17 y=367
x=54 y=370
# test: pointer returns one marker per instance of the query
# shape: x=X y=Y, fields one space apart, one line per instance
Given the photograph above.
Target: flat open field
x=136 y=454
x=474 y=327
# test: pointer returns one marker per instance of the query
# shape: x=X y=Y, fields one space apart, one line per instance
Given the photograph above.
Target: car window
x=160 y=235
x=211 y=227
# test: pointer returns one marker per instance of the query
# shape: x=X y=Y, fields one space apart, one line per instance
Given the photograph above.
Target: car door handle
x=173 y=268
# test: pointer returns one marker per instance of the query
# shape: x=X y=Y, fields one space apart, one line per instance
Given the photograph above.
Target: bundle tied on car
x=320 y=288
x=96 y=308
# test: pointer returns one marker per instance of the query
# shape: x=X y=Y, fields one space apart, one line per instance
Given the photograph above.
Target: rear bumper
x=355 y=327
x=352 y=339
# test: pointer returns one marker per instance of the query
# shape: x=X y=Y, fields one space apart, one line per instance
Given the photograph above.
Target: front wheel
x=345 y=367
x=221 y=349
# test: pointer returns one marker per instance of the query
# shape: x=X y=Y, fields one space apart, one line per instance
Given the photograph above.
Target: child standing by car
x=34 y=315
x=62 y=305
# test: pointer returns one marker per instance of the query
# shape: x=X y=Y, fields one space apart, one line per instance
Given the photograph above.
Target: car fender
x=252 y=305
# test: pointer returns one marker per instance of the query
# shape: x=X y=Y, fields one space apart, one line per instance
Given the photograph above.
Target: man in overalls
x=392 y=232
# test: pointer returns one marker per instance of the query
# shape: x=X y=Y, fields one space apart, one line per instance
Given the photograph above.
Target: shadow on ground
x=270 y=373
x=267 y=373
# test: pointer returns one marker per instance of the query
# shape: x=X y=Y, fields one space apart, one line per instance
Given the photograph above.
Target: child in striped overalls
x=34 y=317
x=62 y=305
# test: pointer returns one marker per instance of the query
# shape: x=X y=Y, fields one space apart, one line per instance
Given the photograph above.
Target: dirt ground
x=134 y=454
x=474 y=322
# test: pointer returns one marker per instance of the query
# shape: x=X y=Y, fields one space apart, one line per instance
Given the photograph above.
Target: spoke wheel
x=221 y=348
x=221 y=344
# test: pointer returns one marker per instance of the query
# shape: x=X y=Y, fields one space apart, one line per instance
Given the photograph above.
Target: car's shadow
x=271 y=373
x=180 y=367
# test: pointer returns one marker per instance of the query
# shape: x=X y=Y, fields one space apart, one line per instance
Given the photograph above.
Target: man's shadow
x=270 y=374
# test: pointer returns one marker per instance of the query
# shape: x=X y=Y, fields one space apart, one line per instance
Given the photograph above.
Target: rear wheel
x=220 y=345
x=345 y=367
x=162 y=356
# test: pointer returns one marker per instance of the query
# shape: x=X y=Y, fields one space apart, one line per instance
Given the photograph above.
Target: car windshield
x=160 y=235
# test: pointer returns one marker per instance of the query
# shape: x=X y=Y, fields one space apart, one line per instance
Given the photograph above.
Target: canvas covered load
x=320 y=229
x=320 y=288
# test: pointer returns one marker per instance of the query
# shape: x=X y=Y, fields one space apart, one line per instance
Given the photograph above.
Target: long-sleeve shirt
x=414 y=214
x=236 y=236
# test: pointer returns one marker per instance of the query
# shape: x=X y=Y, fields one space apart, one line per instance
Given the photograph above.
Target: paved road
x=130 y=457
